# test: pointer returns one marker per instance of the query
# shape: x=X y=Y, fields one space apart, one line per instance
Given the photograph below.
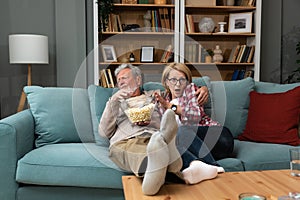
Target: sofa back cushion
x=60 y=114
x=99 y=96
x=231 y=103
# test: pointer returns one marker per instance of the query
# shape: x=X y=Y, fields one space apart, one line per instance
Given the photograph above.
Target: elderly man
x=144 y=148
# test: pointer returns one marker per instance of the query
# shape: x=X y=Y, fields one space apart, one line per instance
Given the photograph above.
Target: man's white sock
x=158 y=160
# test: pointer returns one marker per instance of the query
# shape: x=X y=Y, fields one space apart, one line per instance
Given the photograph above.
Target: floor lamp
x=28 y=49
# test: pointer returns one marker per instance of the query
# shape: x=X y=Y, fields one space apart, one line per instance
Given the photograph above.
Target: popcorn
x=140 y=114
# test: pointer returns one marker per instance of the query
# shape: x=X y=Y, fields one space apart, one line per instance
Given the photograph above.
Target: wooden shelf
x=134 y=6
x=158 y=63
x=139 y=33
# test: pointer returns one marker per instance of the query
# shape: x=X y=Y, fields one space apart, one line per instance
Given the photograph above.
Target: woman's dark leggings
x=192 y=144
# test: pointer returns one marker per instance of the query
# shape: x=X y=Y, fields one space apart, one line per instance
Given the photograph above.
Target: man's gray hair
x=134 y=70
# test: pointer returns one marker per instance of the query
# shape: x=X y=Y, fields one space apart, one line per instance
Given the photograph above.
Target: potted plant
x=295 y=75
x=105 y=7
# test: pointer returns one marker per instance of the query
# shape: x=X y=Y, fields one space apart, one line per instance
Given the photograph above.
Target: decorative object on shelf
x=28 y=49
x=160 y=1
x=131 y=57
x=105 y=7
x=147 y=21
x=109 y=54
x=230 y=2
x=206 y=25
x=147 y=54
x=217 y=58
x=240 y=22
x=222 y=24
x=131 y=27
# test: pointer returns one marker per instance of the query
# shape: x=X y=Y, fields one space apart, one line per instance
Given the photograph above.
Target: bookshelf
x=161 y=35
x=227 y=41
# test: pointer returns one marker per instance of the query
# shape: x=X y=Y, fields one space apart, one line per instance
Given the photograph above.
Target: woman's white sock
x=199 y=171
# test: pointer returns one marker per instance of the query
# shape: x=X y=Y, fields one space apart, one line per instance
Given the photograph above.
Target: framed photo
x=109 y=53
x=240 y=22
x=147 y=54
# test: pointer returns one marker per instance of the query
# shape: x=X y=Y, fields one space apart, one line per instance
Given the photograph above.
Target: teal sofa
x=53 y=151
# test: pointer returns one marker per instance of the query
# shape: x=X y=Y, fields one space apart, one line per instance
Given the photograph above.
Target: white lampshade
x=28 y=49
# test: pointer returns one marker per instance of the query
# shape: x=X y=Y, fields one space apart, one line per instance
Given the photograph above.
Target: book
x=103 y=81
x=190 y=23
x=236 y=52
x=241 y=51
x=245 y=54
x=167 y=18
x=251 y=54
x=110 y=77
x=231 y=54
x=162 y=19
x=167 y=54
x=172 y=19
x=241 y=74
x=119 y=23
x=235 y=75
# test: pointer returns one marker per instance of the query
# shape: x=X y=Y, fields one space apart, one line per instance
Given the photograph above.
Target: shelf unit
x=127 y=42
x=225 y=41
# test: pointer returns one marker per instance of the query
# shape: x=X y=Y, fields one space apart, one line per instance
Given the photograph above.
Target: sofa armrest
x=16 y=139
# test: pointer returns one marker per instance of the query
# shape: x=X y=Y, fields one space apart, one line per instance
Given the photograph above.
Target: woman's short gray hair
x=134 y=70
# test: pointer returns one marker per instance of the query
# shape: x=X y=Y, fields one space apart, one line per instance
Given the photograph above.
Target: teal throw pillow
x=98 y=97
x=60 y=114
x=231 y=102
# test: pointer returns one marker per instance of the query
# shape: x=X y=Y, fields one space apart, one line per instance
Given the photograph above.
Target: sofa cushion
x=231 y=103
x=98 y=97
x=231 y=164
x=80 y=164
x=262 y=156
x=266 y=87
x=60 y=114
x=273 y=117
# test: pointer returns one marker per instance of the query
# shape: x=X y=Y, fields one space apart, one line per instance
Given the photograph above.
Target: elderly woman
x=195 y=126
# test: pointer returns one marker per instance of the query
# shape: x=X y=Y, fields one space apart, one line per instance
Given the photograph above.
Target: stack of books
x=242 y=54
x=239 y=74
x=106 y=79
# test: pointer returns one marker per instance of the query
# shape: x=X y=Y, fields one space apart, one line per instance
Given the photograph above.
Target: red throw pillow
x=273 y=118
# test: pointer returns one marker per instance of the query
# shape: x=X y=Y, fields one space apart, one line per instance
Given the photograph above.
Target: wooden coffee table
x=226 y=186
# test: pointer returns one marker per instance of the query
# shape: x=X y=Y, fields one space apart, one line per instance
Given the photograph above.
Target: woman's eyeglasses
x=174 y=81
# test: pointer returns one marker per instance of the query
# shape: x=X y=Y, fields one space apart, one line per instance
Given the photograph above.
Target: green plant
x=295 y=75
x=105 y=7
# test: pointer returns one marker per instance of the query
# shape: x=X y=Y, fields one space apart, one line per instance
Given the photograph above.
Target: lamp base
x=22 y=102
x=23 y=95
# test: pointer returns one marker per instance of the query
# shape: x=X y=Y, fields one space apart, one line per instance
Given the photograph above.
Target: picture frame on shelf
x=109 y=53
x=240 y=22
x=147 y=54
